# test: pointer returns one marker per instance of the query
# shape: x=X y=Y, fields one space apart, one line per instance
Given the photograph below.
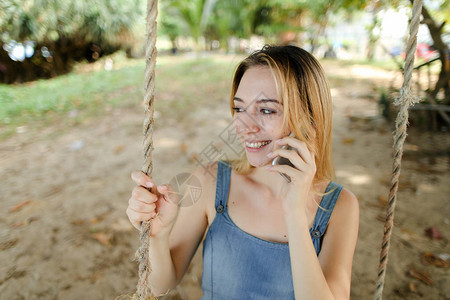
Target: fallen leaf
x=96 y=276
x=431 y=259
x=382 y=130
x=118 y=149
x=421 y=275
x=78 y=222
x=95 y=220
x=8 y=244
x=103 y=238
x=410 y=147
x=53 y=190
x=100 y=217
x=381 y=218
x=382 y=201
x=183 y=147
x=25 y=222
x=20 y=224
x=408 y=232
x=433 y=233
x=193 y=158
x=348 y=141
x=20 y=205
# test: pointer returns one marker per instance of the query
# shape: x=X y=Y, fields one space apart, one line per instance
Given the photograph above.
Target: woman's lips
x=249 y=149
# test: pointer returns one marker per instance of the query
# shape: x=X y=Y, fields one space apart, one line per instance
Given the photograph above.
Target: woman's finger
x=293 y=157
x=288 y=170
x=142 y=194
x=300 y=146
x=136 y=218
x=142 y=207
x=141 y=179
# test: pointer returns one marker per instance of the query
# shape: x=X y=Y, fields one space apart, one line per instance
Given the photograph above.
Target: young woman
x=267 y=236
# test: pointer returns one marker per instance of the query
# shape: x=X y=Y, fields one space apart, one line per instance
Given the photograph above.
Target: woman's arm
x=192 y=222
x=329 y=275
x=172 y=249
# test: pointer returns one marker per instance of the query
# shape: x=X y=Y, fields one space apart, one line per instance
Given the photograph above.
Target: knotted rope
x=144 y=291
x=404 y=101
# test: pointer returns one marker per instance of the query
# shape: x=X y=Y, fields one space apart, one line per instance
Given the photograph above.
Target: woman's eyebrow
x=258 y=101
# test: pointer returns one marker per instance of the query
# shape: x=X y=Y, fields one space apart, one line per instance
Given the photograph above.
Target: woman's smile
x=256 y=147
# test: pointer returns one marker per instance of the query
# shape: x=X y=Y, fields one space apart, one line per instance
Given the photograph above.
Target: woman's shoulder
x=348 y=198
x=207 y=173
x=347 y=205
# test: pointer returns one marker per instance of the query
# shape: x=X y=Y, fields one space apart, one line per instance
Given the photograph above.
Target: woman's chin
x=260 y=163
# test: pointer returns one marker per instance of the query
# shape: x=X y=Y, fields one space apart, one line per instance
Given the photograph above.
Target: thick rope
x=144 y=291
x=405 y=100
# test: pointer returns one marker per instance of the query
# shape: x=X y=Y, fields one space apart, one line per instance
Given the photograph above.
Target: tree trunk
x=373 y=37
x=441 y=47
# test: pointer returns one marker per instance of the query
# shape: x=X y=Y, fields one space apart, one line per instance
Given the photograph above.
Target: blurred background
x=71 y=91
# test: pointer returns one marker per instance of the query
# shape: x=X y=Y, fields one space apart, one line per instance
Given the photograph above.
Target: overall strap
x=326 y=209
x=222 y=185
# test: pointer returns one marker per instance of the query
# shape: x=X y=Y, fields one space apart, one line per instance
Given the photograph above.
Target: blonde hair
x=306 y=99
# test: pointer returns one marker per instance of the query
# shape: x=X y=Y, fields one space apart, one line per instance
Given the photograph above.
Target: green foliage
x=441 y=12
x=243 y=18
x=170 y=26
x=71 y=30
x=50 y=20
x=190 y=12
x=20 y=104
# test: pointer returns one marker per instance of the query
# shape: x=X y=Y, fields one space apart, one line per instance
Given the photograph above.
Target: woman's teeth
x=256 y=145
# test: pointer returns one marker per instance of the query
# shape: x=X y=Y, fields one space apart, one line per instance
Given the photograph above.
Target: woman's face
x=258 y=115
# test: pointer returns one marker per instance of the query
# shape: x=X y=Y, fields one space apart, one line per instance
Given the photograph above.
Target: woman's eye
x=267 y=111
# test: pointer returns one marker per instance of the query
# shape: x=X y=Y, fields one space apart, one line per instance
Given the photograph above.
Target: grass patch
x=30 y=102
x=388 y=65
x=181 y=83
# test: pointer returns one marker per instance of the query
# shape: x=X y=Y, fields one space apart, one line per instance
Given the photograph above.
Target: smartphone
x=284 y=161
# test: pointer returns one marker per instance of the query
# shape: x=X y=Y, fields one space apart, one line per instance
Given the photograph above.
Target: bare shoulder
x=347 y=207
x=207 y=175
x=348 y=200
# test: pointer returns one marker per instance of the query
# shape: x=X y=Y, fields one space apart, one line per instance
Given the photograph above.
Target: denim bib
x=238 y=265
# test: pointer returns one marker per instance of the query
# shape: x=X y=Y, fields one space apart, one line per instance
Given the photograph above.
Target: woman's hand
x=154 y=205
x=301 y=176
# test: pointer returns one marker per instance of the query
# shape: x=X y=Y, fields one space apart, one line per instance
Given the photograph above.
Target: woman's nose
x=248 y=125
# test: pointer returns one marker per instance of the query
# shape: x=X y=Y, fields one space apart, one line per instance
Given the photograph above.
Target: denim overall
x=240 y=266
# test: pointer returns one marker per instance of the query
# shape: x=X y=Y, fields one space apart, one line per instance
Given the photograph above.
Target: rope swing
x=144 y=291
x=404 y=101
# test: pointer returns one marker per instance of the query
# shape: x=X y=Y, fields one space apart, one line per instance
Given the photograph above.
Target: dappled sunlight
x=367 y=72
x=335 y=92
x=354 y=178
x=166 y=142
x=358 y=71
x=426 y=187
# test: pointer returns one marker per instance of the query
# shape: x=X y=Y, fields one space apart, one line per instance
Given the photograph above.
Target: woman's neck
x=272 y=181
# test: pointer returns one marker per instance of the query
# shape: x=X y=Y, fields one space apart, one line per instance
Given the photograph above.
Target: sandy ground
x=64 y=233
